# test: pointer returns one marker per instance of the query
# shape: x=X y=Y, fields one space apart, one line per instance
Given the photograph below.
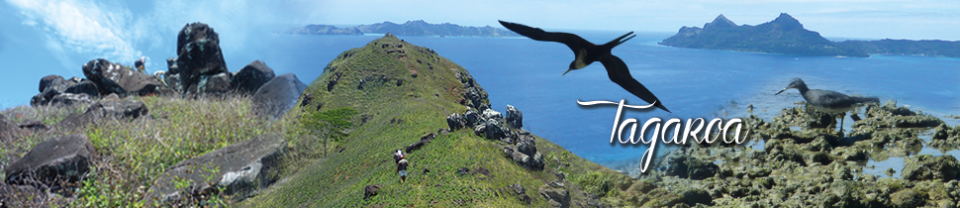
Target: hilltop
x=462 y=153
x=410 y=28
x=785 y=35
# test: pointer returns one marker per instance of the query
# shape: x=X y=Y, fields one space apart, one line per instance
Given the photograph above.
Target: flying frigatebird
x=587 y=53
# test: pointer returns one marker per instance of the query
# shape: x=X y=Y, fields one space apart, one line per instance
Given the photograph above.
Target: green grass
x=400 y=108
x=422 y=103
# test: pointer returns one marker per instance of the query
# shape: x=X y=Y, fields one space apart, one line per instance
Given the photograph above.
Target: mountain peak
x=787 y=21
x=720 y=22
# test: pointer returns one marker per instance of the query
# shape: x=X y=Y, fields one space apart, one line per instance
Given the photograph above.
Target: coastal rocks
x=890 y=116
x=251 y=77
x=115 y=78
x=244 y=168
x=199 y=52
x=689 y=167
x=926 y=167
x=54 y=163
x=514 y=117
x=474 y=96
x=275 y=97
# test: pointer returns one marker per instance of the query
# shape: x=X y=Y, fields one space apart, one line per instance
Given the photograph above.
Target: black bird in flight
x=586 y=53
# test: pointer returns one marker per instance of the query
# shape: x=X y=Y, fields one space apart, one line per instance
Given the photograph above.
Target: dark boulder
x=371 y=191
x=527 y=145
x=494 y=130
x=113 y=109
x=69 y=99
x=274 y=98
x=199 y=52
x=115 y=78
x=556 y=196
x=55 y=82
x=120 y=109
x=463 y=171
x=472 y=117
x=172 y=67
x=490 y=114
x=173 y=82
x=49 y=80
x=415 y=146
x=85 y=87
x=251 y=77
x=514 y=117
x=455 y=121
x=33 y=124
x=217 y=84
x=244 y=168
x=535 y=162
x=54 y=163
x=521 y=193
x=44 y=97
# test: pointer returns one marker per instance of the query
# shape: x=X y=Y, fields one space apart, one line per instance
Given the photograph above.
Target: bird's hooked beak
x=781 y=91
x=568 y=70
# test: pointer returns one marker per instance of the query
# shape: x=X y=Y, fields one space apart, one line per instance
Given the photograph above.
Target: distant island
x=410 y=28
x=785 y=35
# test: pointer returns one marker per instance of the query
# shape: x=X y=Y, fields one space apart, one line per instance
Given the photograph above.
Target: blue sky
x=43 y=37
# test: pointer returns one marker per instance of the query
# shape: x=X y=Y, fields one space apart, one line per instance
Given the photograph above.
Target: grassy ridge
x=400 y=116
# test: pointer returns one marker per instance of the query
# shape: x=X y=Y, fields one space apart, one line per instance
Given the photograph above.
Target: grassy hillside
x=407 y=92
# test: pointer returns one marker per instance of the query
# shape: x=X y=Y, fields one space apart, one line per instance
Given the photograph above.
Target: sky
x=43 y=37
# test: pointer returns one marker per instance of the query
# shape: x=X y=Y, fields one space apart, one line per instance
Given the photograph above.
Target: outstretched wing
x=620 y=74
x=573 y=41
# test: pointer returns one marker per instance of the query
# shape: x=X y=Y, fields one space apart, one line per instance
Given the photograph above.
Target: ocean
x=692 y=83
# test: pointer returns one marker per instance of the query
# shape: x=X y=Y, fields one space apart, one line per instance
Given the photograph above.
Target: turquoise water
x=692 y=83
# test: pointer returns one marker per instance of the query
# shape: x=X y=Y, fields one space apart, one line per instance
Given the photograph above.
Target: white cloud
x=82 y=27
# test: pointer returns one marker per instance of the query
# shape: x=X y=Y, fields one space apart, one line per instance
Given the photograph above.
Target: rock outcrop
x=278 y=95
x=520 y=144
x=109 y=109
x=54 y=163
x=115 y=78
x=251 y=77
x=514 y=117
x=199 y=57
x=244 y=168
